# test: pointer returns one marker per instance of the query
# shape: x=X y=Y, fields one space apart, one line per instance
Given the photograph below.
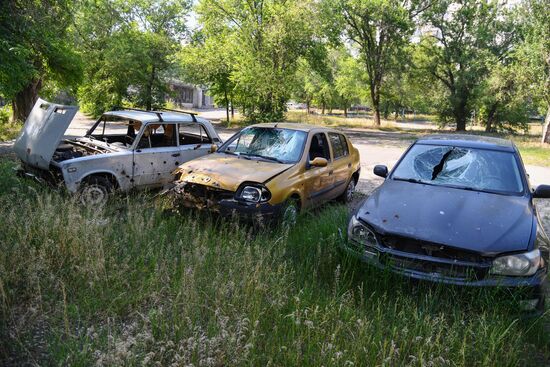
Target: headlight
x=360 y=233
x=254 y=194
x=525 y=264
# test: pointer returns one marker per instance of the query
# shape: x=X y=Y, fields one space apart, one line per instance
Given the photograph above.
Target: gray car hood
x=476 y=221
x=42 y=133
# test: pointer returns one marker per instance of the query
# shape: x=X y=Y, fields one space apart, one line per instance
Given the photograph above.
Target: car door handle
x=176 y=155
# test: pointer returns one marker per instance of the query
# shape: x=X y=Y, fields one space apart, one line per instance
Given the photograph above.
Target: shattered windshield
x=272 y=144
x=468 y=168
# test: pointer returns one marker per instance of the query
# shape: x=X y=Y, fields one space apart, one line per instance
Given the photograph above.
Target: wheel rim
x=350 y=190
x=93 y=195
x=290 y=214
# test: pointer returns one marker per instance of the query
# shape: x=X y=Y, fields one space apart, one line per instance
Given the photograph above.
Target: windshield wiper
x=439 y=167
x=412 y=180
x=266 y=158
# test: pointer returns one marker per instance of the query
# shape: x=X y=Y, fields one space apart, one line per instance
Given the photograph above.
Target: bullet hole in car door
x=156 y=155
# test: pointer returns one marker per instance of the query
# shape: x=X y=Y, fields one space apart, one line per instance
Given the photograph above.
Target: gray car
x=123 y=150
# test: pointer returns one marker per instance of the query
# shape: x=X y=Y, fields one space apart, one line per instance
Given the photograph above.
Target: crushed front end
x=440 y=263
x=249 y=201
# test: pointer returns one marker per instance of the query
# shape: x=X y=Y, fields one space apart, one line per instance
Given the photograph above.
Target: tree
x=502 y=100
x=462 y=40
x=348 y=79
x=266 y=39
x=380 y=29
x=534 y=55
x=35 y=46
x=208 y=61
x=128 y=48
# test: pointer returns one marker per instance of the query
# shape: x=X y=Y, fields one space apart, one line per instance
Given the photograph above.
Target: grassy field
x=134 y=284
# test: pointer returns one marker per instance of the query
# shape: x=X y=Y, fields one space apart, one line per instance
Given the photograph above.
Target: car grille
x=205 y=195
x=426 y=257
x=431 y=267
x=419 y=247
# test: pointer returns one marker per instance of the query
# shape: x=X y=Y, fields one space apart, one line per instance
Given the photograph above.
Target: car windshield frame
x=223 y=148
x=517 y=160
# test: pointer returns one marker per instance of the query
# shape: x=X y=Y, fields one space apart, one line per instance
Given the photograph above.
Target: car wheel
x=95 y=191
x=347 y=196
x=290 y=213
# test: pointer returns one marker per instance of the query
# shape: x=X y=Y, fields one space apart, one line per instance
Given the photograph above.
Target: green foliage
x=467 y=37
x=5 y=115
x=128 y=48
x=379 y=28
x=259 y=44
x=130 y=284
x=34 y=47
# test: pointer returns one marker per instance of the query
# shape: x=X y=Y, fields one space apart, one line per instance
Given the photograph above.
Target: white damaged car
x=123 y=150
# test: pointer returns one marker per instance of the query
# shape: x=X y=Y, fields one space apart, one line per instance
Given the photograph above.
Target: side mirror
x=380 y=170
x=213 y=148
x=318 y=162
x=542 y=192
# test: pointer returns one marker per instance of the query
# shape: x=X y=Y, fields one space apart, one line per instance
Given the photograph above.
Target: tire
x=347 y=196
x=95 y=191
x=289 y=214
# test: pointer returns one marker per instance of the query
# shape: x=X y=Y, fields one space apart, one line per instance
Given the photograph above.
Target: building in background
x=186 y=95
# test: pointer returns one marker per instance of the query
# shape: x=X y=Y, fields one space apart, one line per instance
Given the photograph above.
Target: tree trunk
x=461 y=113
x=308 y=107
x=375 y=96
x=226 y=107
x=149 y=95
x=546 y=128
x=232 y=109
x=24 y=100
x=345 y=110
x=491 y=118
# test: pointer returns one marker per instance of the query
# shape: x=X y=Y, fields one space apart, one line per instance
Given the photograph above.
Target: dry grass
x=131 y=284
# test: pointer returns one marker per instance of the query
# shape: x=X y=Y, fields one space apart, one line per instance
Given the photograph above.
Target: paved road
x=375 y=147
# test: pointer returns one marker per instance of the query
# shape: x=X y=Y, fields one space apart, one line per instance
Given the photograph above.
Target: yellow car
x=271 y=171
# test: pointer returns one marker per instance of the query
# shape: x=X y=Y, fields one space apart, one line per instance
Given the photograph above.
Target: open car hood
x=229 y=172
x=42 y=132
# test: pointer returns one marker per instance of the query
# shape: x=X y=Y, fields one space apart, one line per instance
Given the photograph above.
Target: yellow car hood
x=227 y=171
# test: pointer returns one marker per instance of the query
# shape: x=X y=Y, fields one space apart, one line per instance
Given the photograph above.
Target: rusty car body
x=272 y=170
x=457 y=209
x=123 y=150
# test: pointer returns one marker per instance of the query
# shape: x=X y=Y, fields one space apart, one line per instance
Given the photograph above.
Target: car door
x=156 y=155
x=194 y=141
x=341 y=162
x=318 y=180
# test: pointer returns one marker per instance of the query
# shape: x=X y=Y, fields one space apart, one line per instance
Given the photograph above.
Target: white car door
x=194 y=141
x=156 y=155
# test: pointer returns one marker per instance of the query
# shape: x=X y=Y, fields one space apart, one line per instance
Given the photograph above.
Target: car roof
x=295 y=126
x=468 y=141
x=153 y=116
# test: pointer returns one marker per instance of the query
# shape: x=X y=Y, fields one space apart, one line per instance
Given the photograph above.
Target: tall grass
x=133 y=284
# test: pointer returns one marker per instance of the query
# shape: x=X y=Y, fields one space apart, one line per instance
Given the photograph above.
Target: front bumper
x=531 y=288
x=224 y=203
